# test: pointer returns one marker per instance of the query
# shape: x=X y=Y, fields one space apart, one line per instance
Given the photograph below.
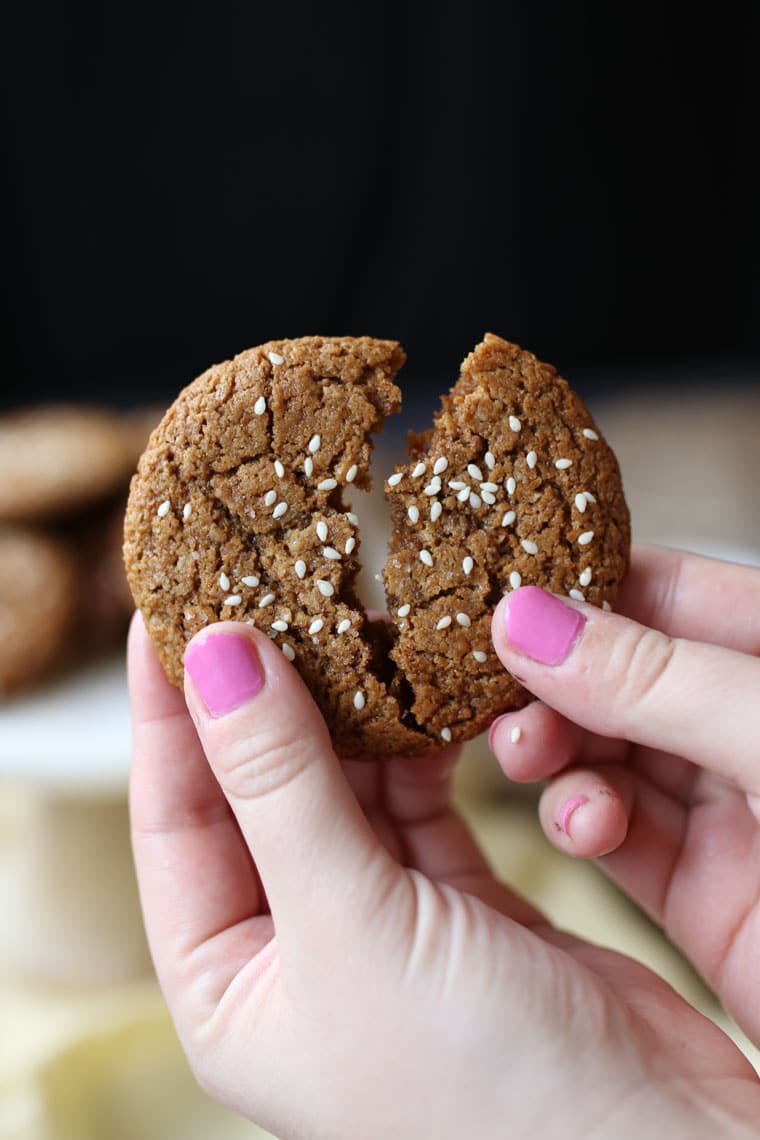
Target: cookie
x=236 y=512
x=38 y=601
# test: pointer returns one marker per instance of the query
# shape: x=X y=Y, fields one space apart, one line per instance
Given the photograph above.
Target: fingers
x=270 y=750
x=622 y=680
x=536 y=742
x=585 y=811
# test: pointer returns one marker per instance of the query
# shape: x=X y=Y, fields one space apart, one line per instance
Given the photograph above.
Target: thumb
x=622 y=680
x=271 y=753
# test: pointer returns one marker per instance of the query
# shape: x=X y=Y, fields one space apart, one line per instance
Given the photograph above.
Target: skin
x=340 y=961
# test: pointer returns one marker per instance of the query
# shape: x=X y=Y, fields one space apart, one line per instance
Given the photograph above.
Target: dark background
x=188 y=182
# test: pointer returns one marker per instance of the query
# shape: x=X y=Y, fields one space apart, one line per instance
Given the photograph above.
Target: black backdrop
x=189 y=181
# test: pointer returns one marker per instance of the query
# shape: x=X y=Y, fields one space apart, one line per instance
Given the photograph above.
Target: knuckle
x=254 y=767
x=642 y=663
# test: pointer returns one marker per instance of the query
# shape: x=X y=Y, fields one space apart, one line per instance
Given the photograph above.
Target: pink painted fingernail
x=568 y=808
x=541 y=625
x=493 y=727
x=226 y=671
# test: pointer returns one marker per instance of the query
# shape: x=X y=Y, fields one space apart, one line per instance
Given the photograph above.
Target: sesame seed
x=418 y=470
x=585 y=578
x=279 y=510
x=467 y=564
x=490 y=487
x=577 y=595
x=250 y=580
x=490 y=460
x=316 y=627
x=590 y=433
x=233 y=600
x=300 y=568
x=474 y=472
x=344 y=626
x=164 y=509
x=528 y=546
x=433 y=487
x=394 y=480
x=563 y=464
x=585 y=538
x=288 y=652
x=531 y=459
x=352 y=518
x=403 y=610
x=352 y=472
x=457 y=485
x=279 y=470
x=270 y=498
x=315 y=443
x=414 y=514
x=326 y=589
x=479 y=655
x=515 y=580
x=321 y=529
x=426 y=557
x=516 y=734
x=331 y=553
x=463 y=495
x=435 y=511
x=590 y=498
x=275 y=358
x=475 y=500
x=308 y=467
x=511 y=485
x=224 y=582
x=488 y=497
x=606 y=606
x=260 y=406
x=186 y=511
x=327 y=485
x=280 y=625
x=266 y=601
x=464 y=621
x=440 y=465
x=359 y=700
x=508 y=518
x=350 y=544
x=446 y=734
x=581 y=502
x=444 y=622
x=514 y=423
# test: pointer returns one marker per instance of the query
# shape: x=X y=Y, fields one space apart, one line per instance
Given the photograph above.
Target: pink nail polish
x=541 y=626
x=492 y=729
x=568 y=808
x=226 y=671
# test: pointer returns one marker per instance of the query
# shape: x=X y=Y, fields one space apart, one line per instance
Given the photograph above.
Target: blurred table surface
x=70 y=1056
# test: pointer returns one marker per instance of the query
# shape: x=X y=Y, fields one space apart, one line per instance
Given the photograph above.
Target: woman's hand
x=652 y=741
x=339 y=960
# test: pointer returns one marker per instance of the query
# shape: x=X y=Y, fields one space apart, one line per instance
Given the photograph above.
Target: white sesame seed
x=516 y=734
x=359 y=700
x=224 y=582
x=280 y=625
x=308 y=467
x=352 y=518
x=446 y=734
x=250 y=580
x=403 y=611
x=394 y=480
x=315 y=443
x=260 y=406
x=327 y=485
x=350 y=544
x=444 y=622
x=326 y=589
x=414 y=514
x=581 y=502
x=577 y=595
x=474 y=472
x=590 y=433
x=464 y=621
x=508 y=518
x=418 y=470
x=433 y=487
x=590 y=498
x=490 y=460
x=563 y=464
x=186 y=511
x=288 y=652
x=475 y=500
x=479 y=655
x=352 y=472
x=233 y=600
x=511 y=485
x=321 y=529
x=457 y=485
x=606 y=606
x=275 y=358
x=426 y=557
x=279 y=510
x=467 y=564
x=463 y=495
x=435 y=511
x=279 y=470
x=164 y=509
x=266 y=601
x=490 y=487
x=331 y=553
x=300 y=568
x=585 y=538
x=316 y=627
x=531 y=459
x=344 y=626
x=514 y=423
x=515 y=580
x=440 y=465
x=528 y=546
x=270 y=498
x=488 y=497
x=585 y=577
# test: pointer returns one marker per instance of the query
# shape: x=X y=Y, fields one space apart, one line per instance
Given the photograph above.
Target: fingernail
x=541 y=626
x=492 y=729
x=225 y=669
x=568 y=808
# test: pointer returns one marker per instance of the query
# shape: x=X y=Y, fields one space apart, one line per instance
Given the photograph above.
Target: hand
x=340 y=962
x=657 y=767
